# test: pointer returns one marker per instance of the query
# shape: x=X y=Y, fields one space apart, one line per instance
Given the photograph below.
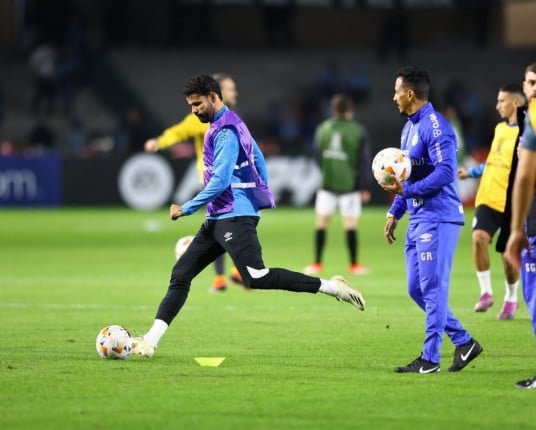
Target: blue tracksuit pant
x=528 y=278
x=430 y=250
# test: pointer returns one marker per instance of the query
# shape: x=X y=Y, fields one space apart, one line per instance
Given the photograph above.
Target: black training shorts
x=487 y=219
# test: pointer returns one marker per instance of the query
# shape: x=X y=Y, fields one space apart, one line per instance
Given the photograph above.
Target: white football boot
x=141 y=347
x=345 y=293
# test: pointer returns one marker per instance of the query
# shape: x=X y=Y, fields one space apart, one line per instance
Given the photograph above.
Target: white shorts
x=349 y=204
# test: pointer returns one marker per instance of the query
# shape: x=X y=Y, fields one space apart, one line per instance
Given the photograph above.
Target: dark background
x=93 y=79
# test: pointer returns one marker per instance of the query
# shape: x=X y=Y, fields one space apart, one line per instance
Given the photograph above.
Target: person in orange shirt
x=191 y=128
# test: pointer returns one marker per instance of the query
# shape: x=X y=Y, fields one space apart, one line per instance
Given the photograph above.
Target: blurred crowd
x=63 y=69
x=61 y=61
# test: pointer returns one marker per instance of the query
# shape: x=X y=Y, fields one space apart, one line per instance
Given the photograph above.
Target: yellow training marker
x=209 y=361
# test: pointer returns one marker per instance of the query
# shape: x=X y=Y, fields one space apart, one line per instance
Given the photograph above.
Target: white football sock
x=484 y=279
x=328 y=287
x=152 y=337
x=511 y=291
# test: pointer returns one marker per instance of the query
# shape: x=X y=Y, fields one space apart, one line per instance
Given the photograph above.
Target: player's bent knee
x=259 y=279
x=180 y=282
x=481 y=239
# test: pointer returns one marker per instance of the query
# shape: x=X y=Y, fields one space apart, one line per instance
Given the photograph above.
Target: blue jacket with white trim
x=430 y=192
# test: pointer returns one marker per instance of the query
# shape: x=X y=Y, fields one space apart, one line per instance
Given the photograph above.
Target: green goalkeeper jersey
x=339 y=148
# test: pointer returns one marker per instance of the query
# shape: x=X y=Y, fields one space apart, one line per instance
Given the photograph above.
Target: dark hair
x=512 y=88
x=202 y=85
x=415 y=79
x=531 y=68
x=341 y=103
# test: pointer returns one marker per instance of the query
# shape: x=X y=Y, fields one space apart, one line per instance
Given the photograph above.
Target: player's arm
x=184 y=130
x=175 y=211
x=474 y=172
x=442 y=152
x=522 y=195
x=389 y=229
x=396 y=211
x=523 y=191
x=226 y=147
x=399 y=207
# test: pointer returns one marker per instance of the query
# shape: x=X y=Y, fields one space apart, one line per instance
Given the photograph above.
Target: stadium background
x=75 y=257
x=118 y=68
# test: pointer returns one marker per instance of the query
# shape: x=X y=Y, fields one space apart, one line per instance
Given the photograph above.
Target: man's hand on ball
x=175 y=211
x=395 y=187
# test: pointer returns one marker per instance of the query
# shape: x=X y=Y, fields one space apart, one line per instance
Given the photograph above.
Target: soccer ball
x=389 y=163
x=114 y=341
x=182 y=245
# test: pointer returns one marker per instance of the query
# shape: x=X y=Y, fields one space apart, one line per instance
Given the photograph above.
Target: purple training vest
x=251 y=180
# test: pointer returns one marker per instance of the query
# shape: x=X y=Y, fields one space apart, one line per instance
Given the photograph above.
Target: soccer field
x=293 y=361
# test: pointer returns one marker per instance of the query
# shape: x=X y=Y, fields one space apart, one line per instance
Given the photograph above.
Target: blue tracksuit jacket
x=430 y=192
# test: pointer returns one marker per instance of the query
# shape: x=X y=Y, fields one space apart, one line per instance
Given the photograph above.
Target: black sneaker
x=419 y=365
x=464 y=354
x=527 y=383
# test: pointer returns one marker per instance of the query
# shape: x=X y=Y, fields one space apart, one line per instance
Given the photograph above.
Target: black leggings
x=238 y=237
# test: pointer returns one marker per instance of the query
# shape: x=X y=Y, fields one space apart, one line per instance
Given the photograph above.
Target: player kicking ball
x=235 y=191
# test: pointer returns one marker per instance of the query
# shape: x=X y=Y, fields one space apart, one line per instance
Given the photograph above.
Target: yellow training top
x=494 y=182
x=189 y=128
x=532 y=115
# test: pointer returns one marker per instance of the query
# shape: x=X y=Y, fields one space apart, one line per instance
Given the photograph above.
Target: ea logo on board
x=145 y=181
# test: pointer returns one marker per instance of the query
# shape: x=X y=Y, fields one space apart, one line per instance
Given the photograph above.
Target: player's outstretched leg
x=345 y=293
x=283 y=279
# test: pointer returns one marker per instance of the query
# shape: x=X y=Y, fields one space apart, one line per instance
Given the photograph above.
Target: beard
x=203 y=117
x=207 y=115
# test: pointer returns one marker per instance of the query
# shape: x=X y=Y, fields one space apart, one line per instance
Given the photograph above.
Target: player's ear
x=213 y=97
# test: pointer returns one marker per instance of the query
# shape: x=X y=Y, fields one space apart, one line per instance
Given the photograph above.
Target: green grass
x=293 y=361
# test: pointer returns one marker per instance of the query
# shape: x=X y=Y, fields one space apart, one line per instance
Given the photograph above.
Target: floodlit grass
x=293 y=361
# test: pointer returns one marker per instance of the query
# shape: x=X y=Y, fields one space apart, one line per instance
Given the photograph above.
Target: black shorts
x=487 y=219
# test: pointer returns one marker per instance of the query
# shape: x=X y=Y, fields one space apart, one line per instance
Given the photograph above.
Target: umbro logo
x=425 y=237
x=228 y=236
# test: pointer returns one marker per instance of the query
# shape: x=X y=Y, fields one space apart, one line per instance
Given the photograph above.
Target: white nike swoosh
x=466 y=356
x=421 y=370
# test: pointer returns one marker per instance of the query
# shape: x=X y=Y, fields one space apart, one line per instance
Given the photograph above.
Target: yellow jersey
x=189 y=128
x=494 y=181
x=532 y=115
